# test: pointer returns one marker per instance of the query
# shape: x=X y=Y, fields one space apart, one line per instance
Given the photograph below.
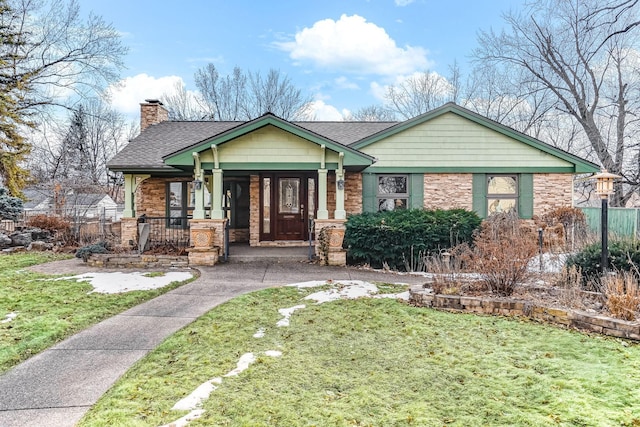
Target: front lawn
x=36 y=313
x=377 y=362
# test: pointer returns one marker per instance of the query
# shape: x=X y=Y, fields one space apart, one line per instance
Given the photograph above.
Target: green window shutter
x=479 y=198
x=369 y=192
x=416 y=192
x=525 y=198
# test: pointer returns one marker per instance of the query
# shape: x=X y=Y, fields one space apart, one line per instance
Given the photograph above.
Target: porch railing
x=167 y=232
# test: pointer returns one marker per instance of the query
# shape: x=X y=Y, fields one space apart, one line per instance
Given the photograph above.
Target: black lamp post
x=604 y=188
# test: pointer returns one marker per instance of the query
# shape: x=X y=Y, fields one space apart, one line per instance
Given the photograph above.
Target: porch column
x=323 y=213
x=130 y=186
x=216 y=195
x=129 y=207
x=340 y=212
x=198 y=176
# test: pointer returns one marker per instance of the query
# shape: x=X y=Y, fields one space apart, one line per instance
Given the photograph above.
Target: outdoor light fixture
x=604 y=188
x=197 y=184
x=341 y=184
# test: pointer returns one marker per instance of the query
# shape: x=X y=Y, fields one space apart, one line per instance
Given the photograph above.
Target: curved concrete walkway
x=57 y=386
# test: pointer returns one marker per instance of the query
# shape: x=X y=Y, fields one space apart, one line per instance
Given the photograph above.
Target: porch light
x=604 y=188
x=341 y=184
x=197 y=184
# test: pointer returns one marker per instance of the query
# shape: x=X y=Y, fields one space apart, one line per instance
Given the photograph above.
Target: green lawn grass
x=50 y=310
x=371 y=362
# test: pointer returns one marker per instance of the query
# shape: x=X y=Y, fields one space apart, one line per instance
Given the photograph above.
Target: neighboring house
x=85 y=205
x=269 y=177
x=91 y=205
x=37 y=201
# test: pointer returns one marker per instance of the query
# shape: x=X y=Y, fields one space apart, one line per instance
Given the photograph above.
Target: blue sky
x=342 y=52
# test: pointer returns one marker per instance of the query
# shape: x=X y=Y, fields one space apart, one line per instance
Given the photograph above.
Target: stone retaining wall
x=137 y=261
x=560 y=316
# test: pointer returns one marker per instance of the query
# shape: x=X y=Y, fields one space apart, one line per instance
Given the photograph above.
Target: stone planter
x=335 y=237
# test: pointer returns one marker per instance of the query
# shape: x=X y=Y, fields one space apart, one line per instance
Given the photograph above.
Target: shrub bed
x=395 y=238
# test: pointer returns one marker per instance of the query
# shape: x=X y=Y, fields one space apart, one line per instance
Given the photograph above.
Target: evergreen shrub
x=624 y=256
x=85 y=252
x=391 y=237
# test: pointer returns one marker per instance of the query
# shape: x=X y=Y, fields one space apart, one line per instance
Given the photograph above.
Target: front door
x=287 y=199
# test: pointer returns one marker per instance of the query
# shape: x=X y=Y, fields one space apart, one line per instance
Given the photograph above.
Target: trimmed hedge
x=391 y=236
x=624 y=255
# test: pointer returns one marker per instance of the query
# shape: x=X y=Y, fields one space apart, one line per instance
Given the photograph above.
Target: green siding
x=525 y=196
x=479 y=196
x=451 y=141
x=416 y=192
x=369 y=192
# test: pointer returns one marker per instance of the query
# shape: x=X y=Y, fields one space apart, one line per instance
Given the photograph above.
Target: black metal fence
x=171 y=233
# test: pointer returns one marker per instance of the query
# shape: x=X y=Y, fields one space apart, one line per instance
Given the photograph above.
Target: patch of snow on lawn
x=195 y=398
x=273 y=353
x=311 y=284
x=287 y=312
x=259 y=333
x=117 y=282
x=9 y=317
x=351 y=289
x=551 y=263
x=243 y=364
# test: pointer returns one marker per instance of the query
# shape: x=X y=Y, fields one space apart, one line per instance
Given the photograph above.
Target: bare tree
x=182 y=105
x=372 y=113
x=75 y=153
x=578 y=53
x=51 y=58
x=245 y=96
x=221 y=98
x=420 y=93
x=60 y=54
x=275 y=93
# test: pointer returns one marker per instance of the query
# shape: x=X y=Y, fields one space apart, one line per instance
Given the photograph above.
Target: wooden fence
x=623 y=222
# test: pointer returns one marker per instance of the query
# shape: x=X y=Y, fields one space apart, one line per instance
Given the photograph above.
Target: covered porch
x=267 y=183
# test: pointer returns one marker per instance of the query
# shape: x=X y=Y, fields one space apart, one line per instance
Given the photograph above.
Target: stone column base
x=129 y=232
x=204 y=256
x=329 y=238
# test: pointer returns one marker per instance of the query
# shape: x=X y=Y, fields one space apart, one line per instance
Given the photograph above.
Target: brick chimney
x=152 y=112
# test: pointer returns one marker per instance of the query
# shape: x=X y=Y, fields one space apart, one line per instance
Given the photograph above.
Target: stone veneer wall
x=151 y=196
x=352 y=193
x=448 y=191
x=551 y=191
x=567 y=317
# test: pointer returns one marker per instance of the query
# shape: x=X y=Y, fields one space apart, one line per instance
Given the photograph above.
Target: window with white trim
x=393 y=192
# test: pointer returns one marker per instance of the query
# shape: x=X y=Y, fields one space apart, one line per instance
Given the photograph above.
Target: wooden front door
x=286 y=201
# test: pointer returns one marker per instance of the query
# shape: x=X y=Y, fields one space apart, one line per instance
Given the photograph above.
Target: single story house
x=268 y=179
x=41 y=201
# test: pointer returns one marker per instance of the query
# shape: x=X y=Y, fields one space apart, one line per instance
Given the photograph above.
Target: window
x=502 y=193
x=393 y=192
x=181 y=200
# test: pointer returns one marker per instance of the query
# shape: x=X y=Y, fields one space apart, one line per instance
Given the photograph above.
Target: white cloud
x=322 y=111
x=354 y=45
x=128 y=93
x=404 y=2
x=344 y=83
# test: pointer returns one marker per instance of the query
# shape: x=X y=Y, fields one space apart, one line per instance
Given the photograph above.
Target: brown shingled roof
x=145 y=151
